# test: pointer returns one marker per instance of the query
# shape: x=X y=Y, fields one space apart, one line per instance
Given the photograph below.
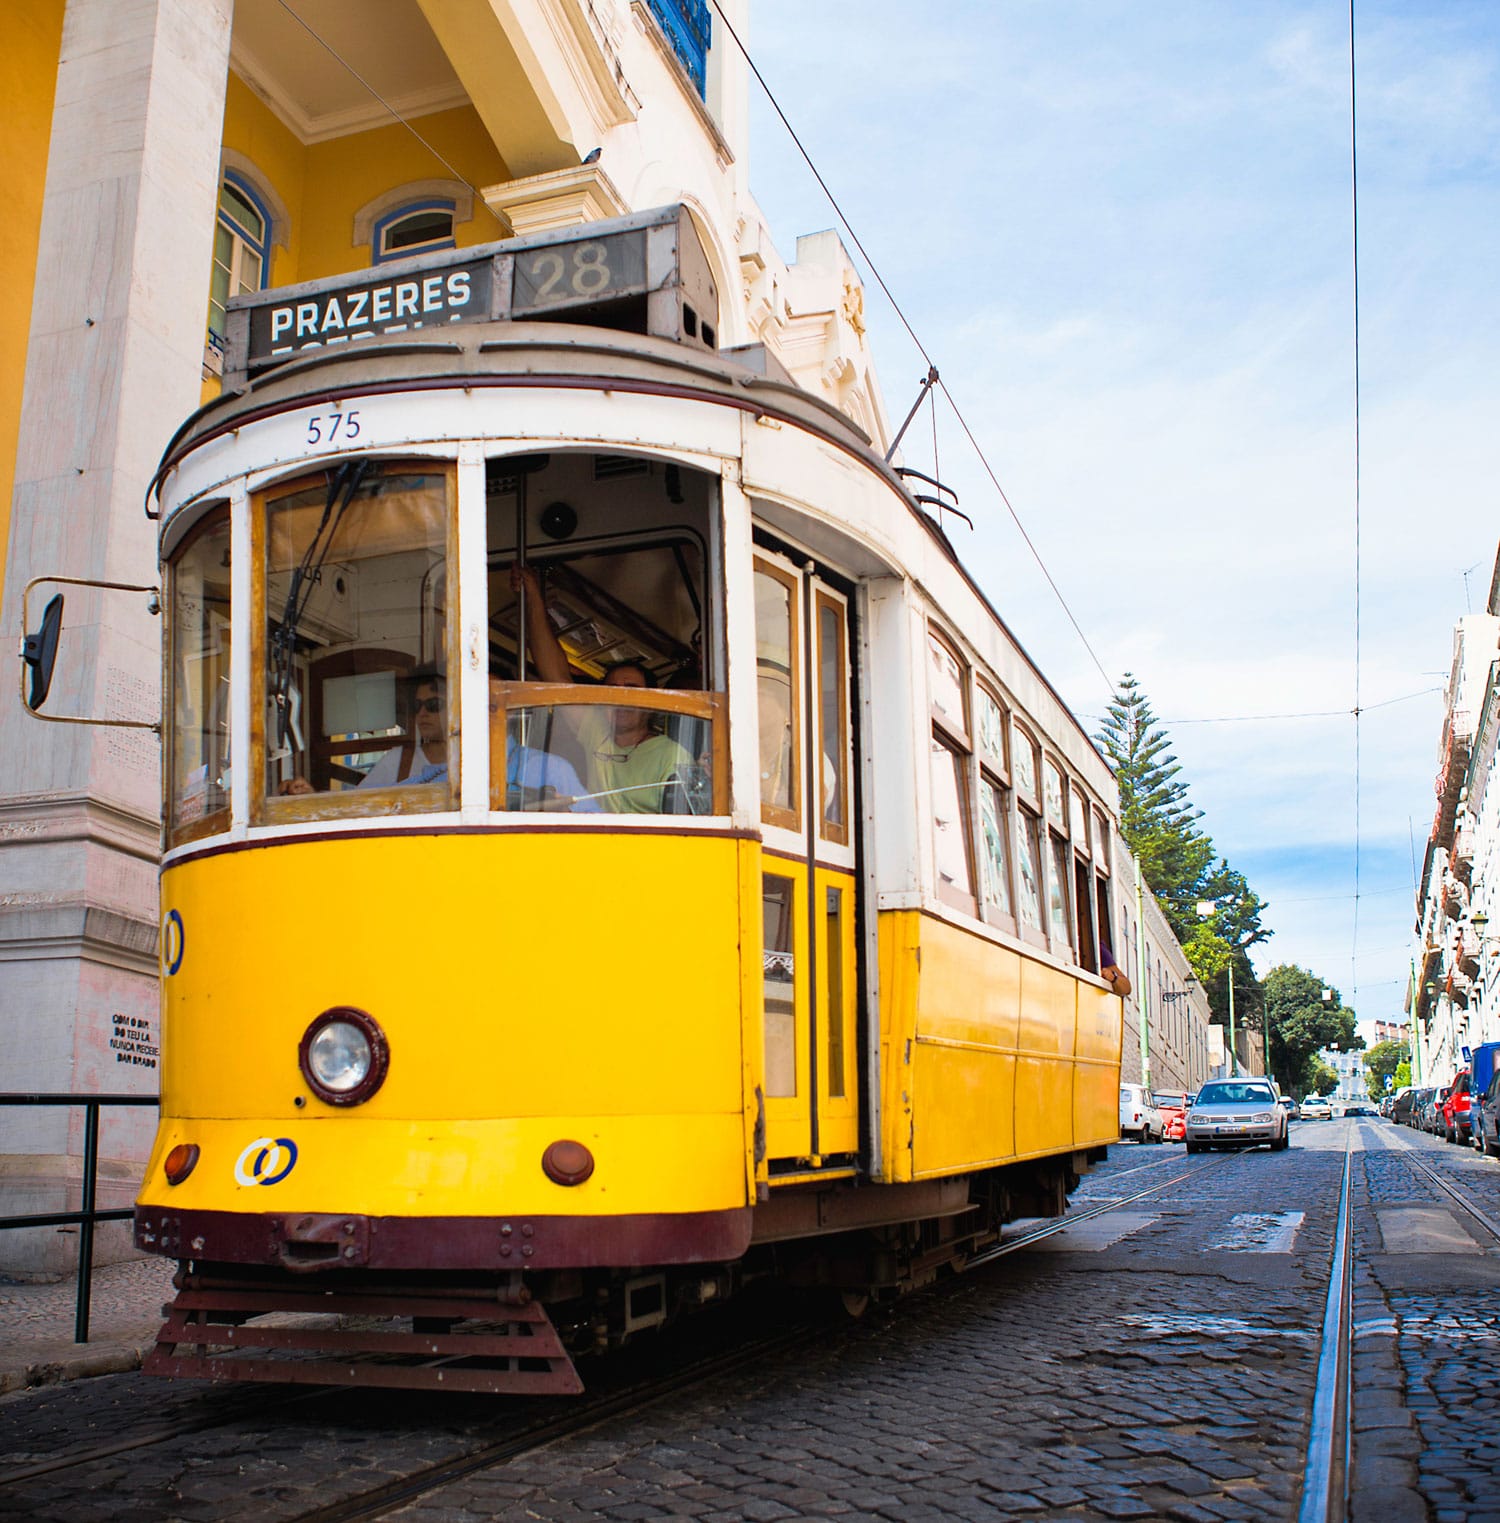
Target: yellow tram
x=612 y=849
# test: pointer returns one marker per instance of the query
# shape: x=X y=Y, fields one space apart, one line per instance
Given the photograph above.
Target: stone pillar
x=113 y=366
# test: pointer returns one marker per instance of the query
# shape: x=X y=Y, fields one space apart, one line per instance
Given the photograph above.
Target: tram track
x=587 y=1412
x=1330 y=1434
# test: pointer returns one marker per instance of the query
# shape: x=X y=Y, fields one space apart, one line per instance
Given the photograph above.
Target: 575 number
x=327 y=427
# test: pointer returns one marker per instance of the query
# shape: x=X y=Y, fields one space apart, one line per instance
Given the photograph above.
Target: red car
x=1455 y=1108
x=1174 y=1108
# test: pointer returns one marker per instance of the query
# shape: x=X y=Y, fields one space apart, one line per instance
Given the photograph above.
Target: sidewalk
x=36 y=1324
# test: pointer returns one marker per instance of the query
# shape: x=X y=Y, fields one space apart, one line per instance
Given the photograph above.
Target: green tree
x=1307 y=1017
x=1382 y=1062
x=1158 y=823
x=1321 y=1079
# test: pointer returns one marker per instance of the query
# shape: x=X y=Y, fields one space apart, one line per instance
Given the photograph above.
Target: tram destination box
x=645 y=273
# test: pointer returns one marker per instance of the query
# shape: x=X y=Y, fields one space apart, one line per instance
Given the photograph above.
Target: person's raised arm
x=542 y=644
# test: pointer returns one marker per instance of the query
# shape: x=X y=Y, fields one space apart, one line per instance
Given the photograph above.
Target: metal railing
x=87 y=1214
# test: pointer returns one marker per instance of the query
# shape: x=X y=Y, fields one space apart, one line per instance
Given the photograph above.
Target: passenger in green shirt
x=630 y=763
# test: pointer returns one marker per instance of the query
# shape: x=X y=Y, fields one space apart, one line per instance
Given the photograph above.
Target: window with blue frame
x=689 y=29
x=242 y=248
x=413 y=229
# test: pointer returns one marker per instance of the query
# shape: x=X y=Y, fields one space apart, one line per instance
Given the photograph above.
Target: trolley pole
x=1144 y=981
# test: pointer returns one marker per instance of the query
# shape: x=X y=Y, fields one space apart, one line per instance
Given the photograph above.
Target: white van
x=1139 y=1117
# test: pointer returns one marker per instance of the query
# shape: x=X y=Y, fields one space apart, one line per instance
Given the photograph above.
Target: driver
x=631 y=764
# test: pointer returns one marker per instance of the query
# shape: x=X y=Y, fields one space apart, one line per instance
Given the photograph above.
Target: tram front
x=456 y=1020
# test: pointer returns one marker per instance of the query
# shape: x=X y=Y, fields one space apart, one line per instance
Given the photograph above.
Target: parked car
x=1139 y=1117
x=1236 y=1113
x=1290 y=1106
x=1316 y=1108
x=1431 y=1114
x=1173 y=1105
x=1483 y=1067
x=1455 y=1109
x=1485 y=1117
x=1402 y=1104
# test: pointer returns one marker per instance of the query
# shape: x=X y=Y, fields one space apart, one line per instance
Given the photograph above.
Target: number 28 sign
x=598 y=269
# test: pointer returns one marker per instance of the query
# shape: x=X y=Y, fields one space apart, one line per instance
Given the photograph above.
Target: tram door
x=808 y=880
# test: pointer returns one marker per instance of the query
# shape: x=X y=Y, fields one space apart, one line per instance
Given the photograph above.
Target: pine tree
x=1177 y=859
x=1156 y=819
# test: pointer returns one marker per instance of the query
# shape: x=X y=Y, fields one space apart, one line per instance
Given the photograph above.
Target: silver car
x=1236 y=1113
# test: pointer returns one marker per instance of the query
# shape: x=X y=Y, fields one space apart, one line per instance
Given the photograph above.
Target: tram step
x=214 y=1334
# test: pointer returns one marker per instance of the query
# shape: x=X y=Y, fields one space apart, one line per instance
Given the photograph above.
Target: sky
x=1124 y=234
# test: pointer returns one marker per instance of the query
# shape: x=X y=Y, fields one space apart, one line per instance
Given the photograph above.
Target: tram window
x=777 y=900
x=604 y=757
x=945 y=675
x=834 y=960
x=1057 y=894
x=198 y=635
x=833 y=721
x=1083 y=904
x=776 y=665
x=992 y=734
x=1028 y=867
x=995 y=856
x=1026 y=767
x=1056 y=790
x=950 y=826
x=356 y=697
x=598 y=579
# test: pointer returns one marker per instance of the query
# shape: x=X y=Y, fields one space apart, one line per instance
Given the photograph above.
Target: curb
x=51 y=1364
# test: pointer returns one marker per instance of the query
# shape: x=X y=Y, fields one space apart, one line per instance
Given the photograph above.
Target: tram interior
x=618 y=549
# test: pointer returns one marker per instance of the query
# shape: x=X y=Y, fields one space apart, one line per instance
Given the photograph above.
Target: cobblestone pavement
x=1155 y=1362
x=1427 y=1338
x=37 y=1324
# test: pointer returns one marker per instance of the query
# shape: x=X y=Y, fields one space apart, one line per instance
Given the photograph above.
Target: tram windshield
x=356 y=687
x=603 y=692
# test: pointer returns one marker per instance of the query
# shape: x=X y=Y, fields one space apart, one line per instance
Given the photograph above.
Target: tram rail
x=1325 y=1484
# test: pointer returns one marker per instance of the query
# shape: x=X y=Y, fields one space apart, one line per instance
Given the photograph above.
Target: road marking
x=1422 y=1229
x=1168 y=1324
x=1260 y=1232
x=1096 y=1234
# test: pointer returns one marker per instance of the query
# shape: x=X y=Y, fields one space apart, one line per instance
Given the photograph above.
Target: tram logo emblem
x=173 y=942
x=267 y=1161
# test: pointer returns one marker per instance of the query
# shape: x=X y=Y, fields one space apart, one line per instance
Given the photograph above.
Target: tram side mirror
x=39 y=649
x=39 y=653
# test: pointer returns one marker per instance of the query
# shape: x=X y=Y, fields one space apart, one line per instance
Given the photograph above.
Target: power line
x=1354 y=238
x=912 y=334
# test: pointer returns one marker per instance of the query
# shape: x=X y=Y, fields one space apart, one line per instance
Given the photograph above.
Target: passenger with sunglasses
x=426 y=761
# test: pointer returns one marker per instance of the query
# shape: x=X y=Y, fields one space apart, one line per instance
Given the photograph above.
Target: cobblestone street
x=1153 y=1362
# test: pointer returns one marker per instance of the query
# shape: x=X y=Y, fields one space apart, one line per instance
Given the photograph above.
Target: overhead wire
x=395 y=115
x=1354 y=251
x=896 y=307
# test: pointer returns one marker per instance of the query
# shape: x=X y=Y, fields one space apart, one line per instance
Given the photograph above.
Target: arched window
x=241 y=251
x=413 y=229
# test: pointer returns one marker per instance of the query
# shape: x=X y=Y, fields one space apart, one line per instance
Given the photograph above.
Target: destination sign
x=397 y=304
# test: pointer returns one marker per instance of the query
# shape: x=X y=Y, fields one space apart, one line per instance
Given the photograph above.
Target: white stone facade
x=1454 y=974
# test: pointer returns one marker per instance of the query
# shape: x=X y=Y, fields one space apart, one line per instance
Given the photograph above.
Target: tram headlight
x=344 y=1056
